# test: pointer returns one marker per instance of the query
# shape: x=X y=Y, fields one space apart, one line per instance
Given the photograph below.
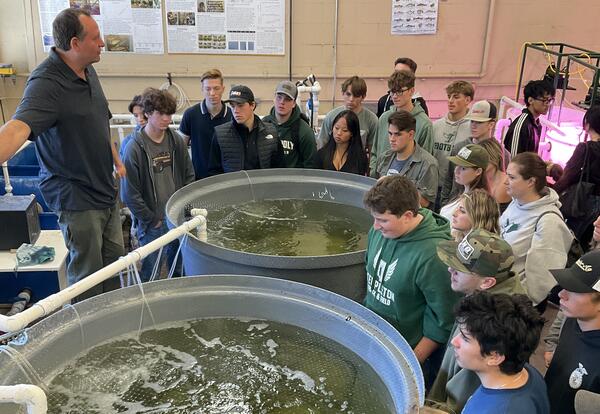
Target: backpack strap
x=547 y=212
x=576 y=250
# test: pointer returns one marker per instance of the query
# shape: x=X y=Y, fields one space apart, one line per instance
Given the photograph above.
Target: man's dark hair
x=357 y=85
x=158 y=100
x=408 y=62
x=537 y=89
x=506 y=324
x=592 y=118
x=395 y=194
x=401 y=79
x=66 y=25
x=135 y=101
x=403 y=120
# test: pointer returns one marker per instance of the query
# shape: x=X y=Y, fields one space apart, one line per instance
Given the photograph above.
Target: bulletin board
x=143 y=42
x=361 y=43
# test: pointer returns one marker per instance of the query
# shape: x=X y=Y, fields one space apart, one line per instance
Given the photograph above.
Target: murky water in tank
x=214 y=366
x=288 y=227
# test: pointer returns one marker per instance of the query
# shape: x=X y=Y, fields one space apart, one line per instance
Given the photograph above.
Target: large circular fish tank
x=341 y=272
x=216 y=344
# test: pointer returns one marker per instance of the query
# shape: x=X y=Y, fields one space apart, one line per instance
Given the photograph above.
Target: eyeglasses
x=398 y=92
x=545 y=101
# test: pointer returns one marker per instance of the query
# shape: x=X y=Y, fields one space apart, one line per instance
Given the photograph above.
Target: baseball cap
x=471 y=155
x=240 y=94
x=287 y=88
x=583 y=276
x=482 y=111
x=480 y=252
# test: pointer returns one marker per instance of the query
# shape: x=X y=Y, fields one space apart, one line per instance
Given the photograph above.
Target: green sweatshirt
x=423 y=134
x=408 y=285
x=298 y=151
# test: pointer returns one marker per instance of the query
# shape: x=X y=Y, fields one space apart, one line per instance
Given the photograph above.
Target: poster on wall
x=410 y=17
x=226 y=26
x=127 y=26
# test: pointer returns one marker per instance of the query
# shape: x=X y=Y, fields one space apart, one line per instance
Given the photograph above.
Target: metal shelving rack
x=563 y=52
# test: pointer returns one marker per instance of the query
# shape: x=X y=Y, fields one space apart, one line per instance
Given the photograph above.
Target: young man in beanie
x=296 y=136
x=497 y=333
x=481 y=261
x=407 y=284
x=576 y=362
x=245 y=143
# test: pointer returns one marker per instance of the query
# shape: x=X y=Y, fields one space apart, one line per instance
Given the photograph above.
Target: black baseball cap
x=583 y=276
x=240 y=94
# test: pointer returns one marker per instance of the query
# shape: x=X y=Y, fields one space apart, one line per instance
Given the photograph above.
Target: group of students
x=505 y=236
x=457 y=293
x=499 y=228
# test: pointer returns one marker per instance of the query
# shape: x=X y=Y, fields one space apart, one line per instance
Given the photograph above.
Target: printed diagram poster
x=127 y=26
x=411 y=17
x=226 y=26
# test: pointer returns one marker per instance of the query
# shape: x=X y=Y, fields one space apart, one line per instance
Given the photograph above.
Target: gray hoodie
x=537 y=246
x=445 y=134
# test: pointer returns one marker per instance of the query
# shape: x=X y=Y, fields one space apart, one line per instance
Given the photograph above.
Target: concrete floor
x=537 y=359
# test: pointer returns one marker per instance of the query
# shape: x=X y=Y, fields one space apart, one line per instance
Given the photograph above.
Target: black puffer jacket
x=228 y=151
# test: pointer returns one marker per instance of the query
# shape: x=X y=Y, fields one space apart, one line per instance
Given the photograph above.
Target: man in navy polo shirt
x=199 y=122
x=64 y=111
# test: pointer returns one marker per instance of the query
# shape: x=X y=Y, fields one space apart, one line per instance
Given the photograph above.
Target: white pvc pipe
x=315 y=89
x=125 y=126
x=30 y=395
x=7 y=186
x=46 y=306
x=131 y=119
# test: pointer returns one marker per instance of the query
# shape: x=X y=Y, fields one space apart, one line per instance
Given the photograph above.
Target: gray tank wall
x=60 y=337
x=343 y=274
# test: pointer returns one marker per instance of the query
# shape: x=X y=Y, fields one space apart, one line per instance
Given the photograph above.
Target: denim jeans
x=168 y=253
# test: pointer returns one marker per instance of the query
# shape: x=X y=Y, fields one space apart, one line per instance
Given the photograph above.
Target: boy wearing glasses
x=402 y=88
x=524 y=133
x=385 y=102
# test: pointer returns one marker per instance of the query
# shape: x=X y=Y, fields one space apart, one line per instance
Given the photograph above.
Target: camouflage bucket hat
x=480 y=252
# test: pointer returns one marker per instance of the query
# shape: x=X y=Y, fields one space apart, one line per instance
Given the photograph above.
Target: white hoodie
x=536 y=250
